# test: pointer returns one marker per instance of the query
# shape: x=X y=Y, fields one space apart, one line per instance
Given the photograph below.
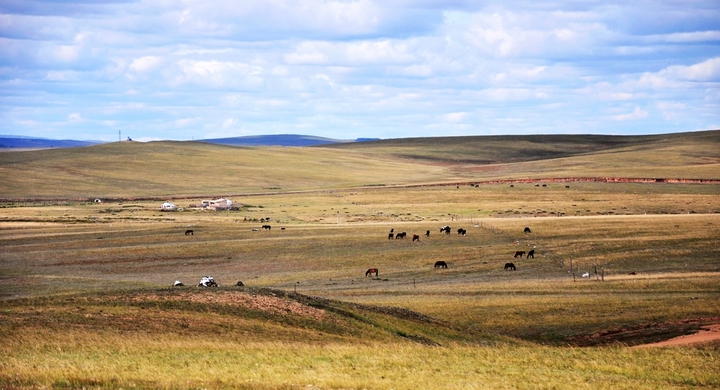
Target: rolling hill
x=130 y=169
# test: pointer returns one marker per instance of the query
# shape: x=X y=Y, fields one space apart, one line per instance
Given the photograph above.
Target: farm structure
x=217 y=204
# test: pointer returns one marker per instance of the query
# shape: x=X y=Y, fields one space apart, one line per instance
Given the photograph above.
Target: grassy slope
x=105 y=322
x=186 y=168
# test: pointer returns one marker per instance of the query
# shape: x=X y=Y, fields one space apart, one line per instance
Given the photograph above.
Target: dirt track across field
x=707 y=334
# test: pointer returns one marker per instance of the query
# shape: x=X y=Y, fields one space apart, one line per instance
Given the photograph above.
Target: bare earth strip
x=707 y=334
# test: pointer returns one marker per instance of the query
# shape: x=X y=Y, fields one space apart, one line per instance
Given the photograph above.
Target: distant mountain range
x=21 y=142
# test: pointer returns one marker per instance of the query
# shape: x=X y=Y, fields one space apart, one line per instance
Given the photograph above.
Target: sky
x=194 y=69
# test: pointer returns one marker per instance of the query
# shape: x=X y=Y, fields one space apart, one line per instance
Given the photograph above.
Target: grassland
x=86 y=297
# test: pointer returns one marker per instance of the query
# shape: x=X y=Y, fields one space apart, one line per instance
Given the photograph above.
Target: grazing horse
x=519 y=254
x=400 y=235
x=440 y=264
x=531 y=254
x=189 y=233
x=445 y=229
x=416 y=237
x=510 y=266
x=461 y=231
x=371 y=271
x=266 y=227
x=427 y=233
x=527 y=230
x=390 y=236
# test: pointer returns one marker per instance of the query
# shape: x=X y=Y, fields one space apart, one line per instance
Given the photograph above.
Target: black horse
x=510 y=266
x=440 y=264
x=189 y=233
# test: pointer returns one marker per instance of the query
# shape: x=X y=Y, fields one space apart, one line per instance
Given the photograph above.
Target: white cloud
x=636 y=114
x=455 y=117
x=219 y=73
x=145 y=64
x=229 y=123
x=74 y=118
x=708 y=70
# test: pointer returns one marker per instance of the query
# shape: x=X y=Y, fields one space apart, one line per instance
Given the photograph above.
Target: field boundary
x=537 y=181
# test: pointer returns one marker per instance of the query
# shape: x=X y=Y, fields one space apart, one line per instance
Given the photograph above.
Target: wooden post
x=414 y=283
x=603 y=274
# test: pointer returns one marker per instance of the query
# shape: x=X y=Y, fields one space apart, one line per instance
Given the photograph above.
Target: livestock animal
x=440 y=264
x=400 y=235
x=445 y=229
x=427 y=233
x=510 y=266
x=527 y=230
x=632 y=273
x=207 y=281
x=461 y=231
x=519 y=254
x=240 y=283
x=531 y=254
x=390 y=236
x=178 y=283
x=189 y=233
x=586 y=275
x=416 y=237
x=371 y=271
x=266 y=227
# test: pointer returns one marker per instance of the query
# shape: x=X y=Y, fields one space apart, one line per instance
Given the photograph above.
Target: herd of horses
x=438 y=264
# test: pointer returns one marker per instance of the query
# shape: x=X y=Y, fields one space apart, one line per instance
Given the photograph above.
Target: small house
x=218 y=204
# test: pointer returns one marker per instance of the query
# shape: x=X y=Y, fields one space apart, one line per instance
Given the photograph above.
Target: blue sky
x=180 y=70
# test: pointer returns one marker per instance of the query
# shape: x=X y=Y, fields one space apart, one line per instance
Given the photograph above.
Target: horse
x=390 y=236
x=440 y=264
x=519 y=254
x=531 y=254
x=400 y=235
x=266 y=227
x=189 y=233
x=427 y=233
x=416 y=237
x=510 y=266
x=461 y=231
x=527 y=230
x=371 y=271
x=445 y=229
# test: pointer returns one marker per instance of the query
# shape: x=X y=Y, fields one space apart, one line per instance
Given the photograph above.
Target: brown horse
x=510 y=266
x=416 y=237
x=440 y=264
x=371 y=271
x=189 y=233
x=519 y=254
x=390 y=236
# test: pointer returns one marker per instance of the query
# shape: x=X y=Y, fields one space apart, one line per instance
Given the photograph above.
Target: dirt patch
x=651 y=334
x=265 y=303
x=708 y=334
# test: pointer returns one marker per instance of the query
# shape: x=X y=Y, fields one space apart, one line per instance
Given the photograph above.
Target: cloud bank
x=155 y=69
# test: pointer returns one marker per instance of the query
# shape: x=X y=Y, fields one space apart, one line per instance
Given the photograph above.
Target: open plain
x=624 y=233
